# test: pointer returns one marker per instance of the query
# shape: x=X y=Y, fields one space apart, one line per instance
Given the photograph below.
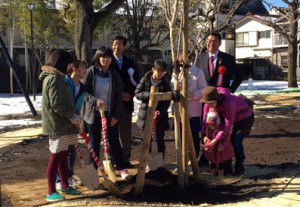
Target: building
x=262 y=48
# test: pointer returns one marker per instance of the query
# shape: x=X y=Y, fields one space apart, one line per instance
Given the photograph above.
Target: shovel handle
x=101 y=110
x=87 y=142
x=79 y=153
x=95 y=157
x=104 y=131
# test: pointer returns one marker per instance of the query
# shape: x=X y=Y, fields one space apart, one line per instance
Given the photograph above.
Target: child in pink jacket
x=238 y=118
x=218 y=155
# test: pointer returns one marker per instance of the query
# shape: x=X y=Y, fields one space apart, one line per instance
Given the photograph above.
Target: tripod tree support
x=140 y=178
x=17 y=76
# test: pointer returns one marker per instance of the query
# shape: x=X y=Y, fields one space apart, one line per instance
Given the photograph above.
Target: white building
x=259 y=45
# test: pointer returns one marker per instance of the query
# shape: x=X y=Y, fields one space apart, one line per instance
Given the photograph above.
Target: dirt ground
x=273 y=162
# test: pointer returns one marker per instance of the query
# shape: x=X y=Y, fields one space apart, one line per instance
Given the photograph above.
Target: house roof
x=257 y=18
x=253 y=6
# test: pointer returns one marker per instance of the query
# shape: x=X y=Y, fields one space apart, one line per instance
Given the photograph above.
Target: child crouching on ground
x=218 y=153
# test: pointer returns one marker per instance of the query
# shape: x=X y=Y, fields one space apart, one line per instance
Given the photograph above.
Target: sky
x=277 y=3
x=18 y=105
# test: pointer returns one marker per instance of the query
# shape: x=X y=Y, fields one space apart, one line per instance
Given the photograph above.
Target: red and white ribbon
x=131 y=73
x=154 y=142
x=104 y=136
x=95 y=157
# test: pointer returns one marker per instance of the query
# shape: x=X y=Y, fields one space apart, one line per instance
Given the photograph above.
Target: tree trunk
x=292 y=52
x=84 y=30
x=86 y=22
x=292 y=65
x=137 y=52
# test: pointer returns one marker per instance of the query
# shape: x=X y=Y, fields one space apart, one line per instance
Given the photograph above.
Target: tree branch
x=107 y=10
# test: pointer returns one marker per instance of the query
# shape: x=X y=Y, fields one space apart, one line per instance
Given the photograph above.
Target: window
x=284 y=61
x=242 y=39
x=246 y=39
x=265 y=34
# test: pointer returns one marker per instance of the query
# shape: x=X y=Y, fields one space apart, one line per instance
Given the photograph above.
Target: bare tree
x=144 y=25
x=171 y=10
x=289 y=31
x=214 y=16
x=87 y=19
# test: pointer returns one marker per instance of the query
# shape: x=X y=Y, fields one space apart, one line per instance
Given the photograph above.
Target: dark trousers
x=125 y=132
x=160 y=138
x=240 y=130
x=113 y=141
x=195 y=123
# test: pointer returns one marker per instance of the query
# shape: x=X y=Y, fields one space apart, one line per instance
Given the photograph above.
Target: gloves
x=176 y=96
x=100 y=103
x=76 y=119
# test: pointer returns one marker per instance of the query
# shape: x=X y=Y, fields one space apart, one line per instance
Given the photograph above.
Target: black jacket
x=128 y=87
x=228 y=62
x=142 y=93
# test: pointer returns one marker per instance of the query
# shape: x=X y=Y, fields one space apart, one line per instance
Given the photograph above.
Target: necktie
x=119 y=61
x=211 y=65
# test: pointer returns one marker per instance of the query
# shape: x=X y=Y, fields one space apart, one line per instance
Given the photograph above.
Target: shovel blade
x=155 y=160
x=89 y=176
x=109 y=170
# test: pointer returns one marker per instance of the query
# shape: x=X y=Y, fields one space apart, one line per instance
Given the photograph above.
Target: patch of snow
x=16 y=104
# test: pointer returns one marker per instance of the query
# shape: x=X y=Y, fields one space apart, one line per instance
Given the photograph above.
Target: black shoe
x=228 y=168
x=128 y=165
x=239 y=168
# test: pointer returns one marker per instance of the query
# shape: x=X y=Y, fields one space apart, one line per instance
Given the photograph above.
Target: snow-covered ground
x=17 y=104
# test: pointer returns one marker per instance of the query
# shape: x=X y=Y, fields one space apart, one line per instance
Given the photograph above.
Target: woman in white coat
x=196 y=83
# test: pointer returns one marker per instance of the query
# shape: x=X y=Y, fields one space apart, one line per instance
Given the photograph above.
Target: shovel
x=155 y=158
x=107 y=183
x=106 y=163
x=87 y=173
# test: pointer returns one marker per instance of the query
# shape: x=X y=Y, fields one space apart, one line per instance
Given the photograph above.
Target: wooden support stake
x=178 y=145
x=140 y=178
x=160 y=96
x=192 y=154
x=185 y=46
x=184 y=146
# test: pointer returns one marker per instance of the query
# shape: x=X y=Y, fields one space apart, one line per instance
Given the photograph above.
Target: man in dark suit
x=223 y=65
x=129 y=74
x=218 y=68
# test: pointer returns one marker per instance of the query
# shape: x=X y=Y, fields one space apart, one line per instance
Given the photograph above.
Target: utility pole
x=31 y=7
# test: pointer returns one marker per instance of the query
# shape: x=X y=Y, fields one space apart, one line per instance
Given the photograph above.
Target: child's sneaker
x=54 y=197
x=58 y=186
x=74 y=183
x=70 y=191
x=147 y=169
x=124 y=174
x=78 y=182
